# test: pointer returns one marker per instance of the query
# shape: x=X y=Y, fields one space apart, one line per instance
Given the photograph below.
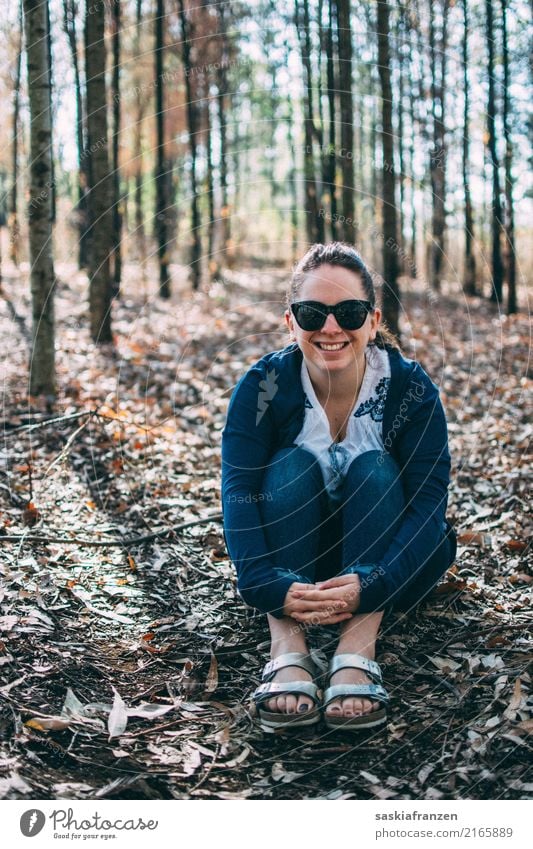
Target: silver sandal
x=269 y=689
x=374 y=691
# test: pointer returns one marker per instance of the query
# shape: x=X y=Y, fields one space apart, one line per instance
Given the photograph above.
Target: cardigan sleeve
x=247 y=445
x=420 y=445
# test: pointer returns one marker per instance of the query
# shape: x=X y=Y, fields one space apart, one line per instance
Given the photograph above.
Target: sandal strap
x=373 y=691
x=296 y=658
x=271 y=689
x=356 y=661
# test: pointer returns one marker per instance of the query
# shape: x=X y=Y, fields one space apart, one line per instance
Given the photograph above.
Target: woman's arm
x=421 y=447
x=247 y=445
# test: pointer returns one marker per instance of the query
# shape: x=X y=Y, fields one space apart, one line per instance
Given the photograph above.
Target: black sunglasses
x=312 y=315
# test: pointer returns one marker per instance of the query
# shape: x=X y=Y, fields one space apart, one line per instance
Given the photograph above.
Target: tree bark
x=348 y=225
x=137 y=143
x=117 y=200
x=160 y=171
x=100 y=184
x=14 y=226
x=439 y=152
x=510 y=271
x=42 y=368
x=470 y=260
x=70 y=10
x=192 y=124
x=496 y=217
x=391 y=292
x=313 y=219
x=222 y=103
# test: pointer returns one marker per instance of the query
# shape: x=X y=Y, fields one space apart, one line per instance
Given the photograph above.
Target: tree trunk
x=50 y=77
x=332 y=118
x=210 y=190
x=117 y=200
x=391 y=292
x=14 y=226
x=160 y=172
x=313 y=219
x=192 y=124
x=137 y=144
x=470 y=260
x=100 y=184
x=225 y=247
x=496 y=217
x=439 y=152
x=344 y=34
x=512 y=305
x=42 y=368
x=70 y=10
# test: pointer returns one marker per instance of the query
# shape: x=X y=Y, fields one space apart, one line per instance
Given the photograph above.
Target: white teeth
x=336 y=347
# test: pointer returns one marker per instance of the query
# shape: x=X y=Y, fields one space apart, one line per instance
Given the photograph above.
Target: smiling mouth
x=328 y=346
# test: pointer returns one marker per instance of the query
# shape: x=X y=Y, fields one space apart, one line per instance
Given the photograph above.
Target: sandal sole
x=357 y=723
x=286 y=720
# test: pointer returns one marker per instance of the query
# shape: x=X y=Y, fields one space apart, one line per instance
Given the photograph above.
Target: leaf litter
x=126 y=669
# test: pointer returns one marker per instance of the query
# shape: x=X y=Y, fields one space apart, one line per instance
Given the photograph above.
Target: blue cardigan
x=266 y=413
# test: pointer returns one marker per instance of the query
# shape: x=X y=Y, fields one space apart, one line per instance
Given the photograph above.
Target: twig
x=126 y=543
x=53 y=420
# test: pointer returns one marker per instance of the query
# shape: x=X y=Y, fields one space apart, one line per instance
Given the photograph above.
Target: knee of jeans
x=375 y=469
x=293 y=470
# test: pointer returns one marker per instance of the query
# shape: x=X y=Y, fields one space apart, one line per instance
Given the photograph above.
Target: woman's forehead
x=331 y=280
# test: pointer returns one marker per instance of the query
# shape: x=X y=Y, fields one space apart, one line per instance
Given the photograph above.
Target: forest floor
x=126 y=665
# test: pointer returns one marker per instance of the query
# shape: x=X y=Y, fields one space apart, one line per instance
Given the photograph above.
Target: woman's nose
x=331 y=325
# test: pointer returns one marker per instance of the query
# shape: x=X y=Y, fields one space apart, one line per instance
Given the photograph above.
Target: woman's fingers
x=318 y=604
x=320 y=595
x=317 y=617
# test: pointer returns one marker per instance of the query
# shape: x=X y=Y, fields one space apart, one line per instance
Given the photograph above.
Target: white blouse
x=364 y=428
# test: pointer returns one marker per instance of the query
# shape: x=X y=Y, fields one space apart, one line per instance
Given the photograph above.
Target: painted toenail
x=303 y=708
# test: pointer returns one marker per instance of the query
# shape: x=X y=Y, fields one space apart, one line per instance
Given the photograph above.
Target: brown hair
x=340 y=253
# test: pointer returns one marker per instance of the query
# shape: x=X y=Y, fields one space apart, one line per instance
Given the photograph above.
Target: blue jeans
x=315 y=538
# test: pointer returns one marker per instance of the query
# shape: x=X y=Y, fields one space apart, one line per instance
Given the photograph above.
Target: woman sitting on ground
x=335 y=471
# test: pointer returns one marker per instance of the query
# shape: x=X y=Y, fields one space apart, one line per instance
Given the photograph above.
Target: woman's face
x=331 y=284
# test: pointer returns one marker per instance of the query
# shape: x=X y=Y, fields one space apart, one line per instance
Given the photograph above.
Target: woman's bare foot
x=358 y=636
x=288 y=637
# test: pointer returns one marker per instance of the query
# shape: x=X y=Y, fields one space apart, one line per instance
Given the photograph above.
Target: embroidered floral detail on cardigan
x=375 y=406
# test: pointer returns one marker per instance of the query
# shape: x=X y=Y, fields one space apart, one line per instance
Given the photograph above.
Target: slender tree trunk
x=42 y=368
x=51 y=78
x=160 y=173
x=226 y=250
x=192 y=122
x=314 y=220
x=140 y=240
x=439 y=152
x=117 y=200
x=512 y=305
x=344 y=30
x=14 y=226
x=391 y=292
x=332 y=118
x=470 y=260
x=210 y=190
x=100 y=183
x=496 y=218
x=401 y=131
x=70 y=10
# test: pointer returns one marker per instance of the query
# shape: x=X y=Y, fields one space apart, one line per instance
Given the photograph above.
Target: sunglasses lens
x=351 y=316
x=308 y=316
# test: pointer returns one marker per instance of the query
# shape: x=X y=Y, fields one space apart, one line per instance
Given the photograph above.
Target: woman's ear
x=289 y=323
x=375 y=318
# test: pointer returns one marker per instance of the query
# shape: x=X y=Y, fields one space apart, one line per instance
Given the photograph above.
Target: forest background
x=162 y=166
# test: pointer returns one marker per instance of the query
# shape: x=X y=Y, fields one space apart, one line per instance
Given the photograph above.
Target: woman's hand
x=341 y=596
x=309 y=604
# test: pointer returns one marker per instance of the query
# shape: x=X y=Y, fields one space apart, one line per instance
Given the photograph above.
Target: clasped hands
x=324 y=603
